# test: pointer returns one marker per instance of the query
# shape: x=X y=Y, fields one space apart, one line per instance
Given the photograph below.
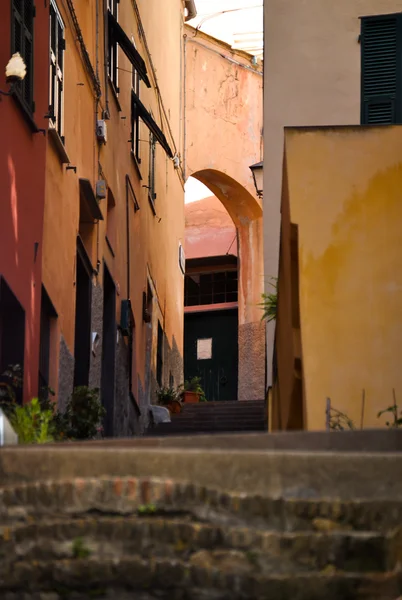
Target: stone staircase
x=112 y=537
x=213 y=417
x=160 y=519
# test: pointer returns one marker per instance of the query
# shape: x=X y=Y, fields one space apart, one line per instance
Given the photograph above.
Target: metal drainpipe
x=191 y=10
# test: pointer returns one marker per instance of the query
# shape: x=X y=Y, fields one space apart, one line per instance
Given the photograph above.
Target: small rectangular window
x=22 y=32
x=112 y=62
x=57 y=47
x=151 y=178
x=159 y=356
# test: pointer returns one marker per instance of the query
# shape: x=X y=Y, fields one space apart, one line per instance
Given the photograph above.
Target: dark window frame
x=381 y=70
x=22 y=25
x=56 y=75
x=113 y=49
x=135 y=118
x=151 y=171
x=217 y=287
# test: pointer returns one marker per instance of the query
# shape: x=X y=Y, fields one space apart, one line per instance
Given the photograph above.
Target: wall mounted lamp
x=15 y=72
x=258 y=176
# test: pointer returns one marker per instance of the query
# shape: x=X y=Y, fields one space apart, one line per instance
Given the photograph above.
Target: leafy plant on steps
x=269 y=302
x=166 y=395
x=193 y=385
x=31 y=423
x=393 y=411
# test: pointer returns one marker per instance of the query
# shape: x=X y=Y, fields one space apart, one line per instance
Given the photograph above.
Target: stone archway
x=246 y=213
x=223 y=124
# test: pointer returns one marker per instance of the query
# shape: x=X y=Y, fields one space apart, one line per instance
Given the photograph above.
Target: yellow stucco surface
x=345 y=195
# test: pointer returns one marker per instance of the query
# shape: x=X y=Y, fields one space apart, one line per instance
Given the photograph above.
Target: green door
x=211 y=352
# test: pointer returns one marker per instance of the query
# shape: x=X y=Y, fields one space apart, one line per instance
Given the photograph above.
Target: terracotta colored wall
x=223 y=137
x=209 y=229
x=312 y=77
x=154 y=240
x=22 y=187
x=344 y=196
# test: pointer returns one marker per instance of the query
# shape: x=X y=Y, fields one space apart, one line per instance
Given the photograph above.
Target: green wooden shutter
x=381 y=64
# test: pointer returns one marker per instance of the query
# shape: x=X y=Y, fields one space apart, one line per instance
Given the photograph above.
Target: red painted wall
x=22 y=187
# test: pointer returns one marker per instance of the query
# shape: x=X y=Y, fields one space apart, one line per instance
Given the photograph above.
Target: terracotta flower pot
x=191 y=397
x=174 y=407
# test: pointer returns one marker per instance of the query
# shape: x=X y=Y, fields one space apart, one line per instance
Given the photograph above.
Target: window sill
x=152 y=203
x=109 y=246
x=28 y=115
x=114 y=94
x=136 y=165
x=58 y=145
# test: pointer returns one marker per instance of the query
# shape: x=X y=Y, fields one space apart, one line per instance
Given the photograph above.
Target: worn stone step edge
x=138 y=574
x=125 y=495
x=348 y=551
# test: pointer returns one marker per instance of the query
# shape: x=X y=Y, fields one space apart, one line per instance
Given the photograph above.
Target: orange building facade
x=107 y=278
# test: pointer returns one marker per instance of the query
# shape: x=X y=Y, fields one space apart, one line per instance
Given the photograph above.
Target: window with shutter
x=135 y=117
x=57 y=46
x=151 y=175
x=112 y=6
x=381 y=53
x=22 y=24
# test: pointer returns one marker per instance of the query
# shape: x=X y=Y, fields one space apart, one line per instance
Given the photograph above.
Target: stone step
x=180 y=538
x=314 y=475
x=126 y=496
x=206 y=575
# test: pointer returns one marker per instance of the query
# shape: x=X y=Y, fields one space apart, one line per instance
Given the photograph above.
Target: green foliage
x=393 y=411
x=11 y=381
x=166 y=395
x=147 y=509
x=269 y=302
x=31 y=423
x=80 y=550
x=339 y=421
x=193 y=385
x=39 y=422
x=83 y=416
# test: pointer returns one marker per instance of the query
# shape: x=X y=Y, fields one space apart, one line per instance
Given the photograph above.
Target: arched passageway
x=246 y=214
x=223 y=124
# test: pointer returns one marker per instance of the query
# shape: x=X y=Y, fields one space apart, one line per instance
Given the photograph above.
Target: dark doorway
x=82 y=344
x=211 y=352
x=47 y=319
x=12 y=332
x=108 y=350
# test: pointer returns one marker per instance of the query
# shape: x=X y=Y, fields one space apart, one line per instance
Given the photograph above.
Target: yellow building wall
x=345 y=196
x=154 y=240
x=312 y=75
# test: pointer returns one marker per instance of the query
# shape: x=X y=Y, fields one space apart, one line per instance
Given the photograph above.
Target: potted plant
x=192 y=392
x=169 y=397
